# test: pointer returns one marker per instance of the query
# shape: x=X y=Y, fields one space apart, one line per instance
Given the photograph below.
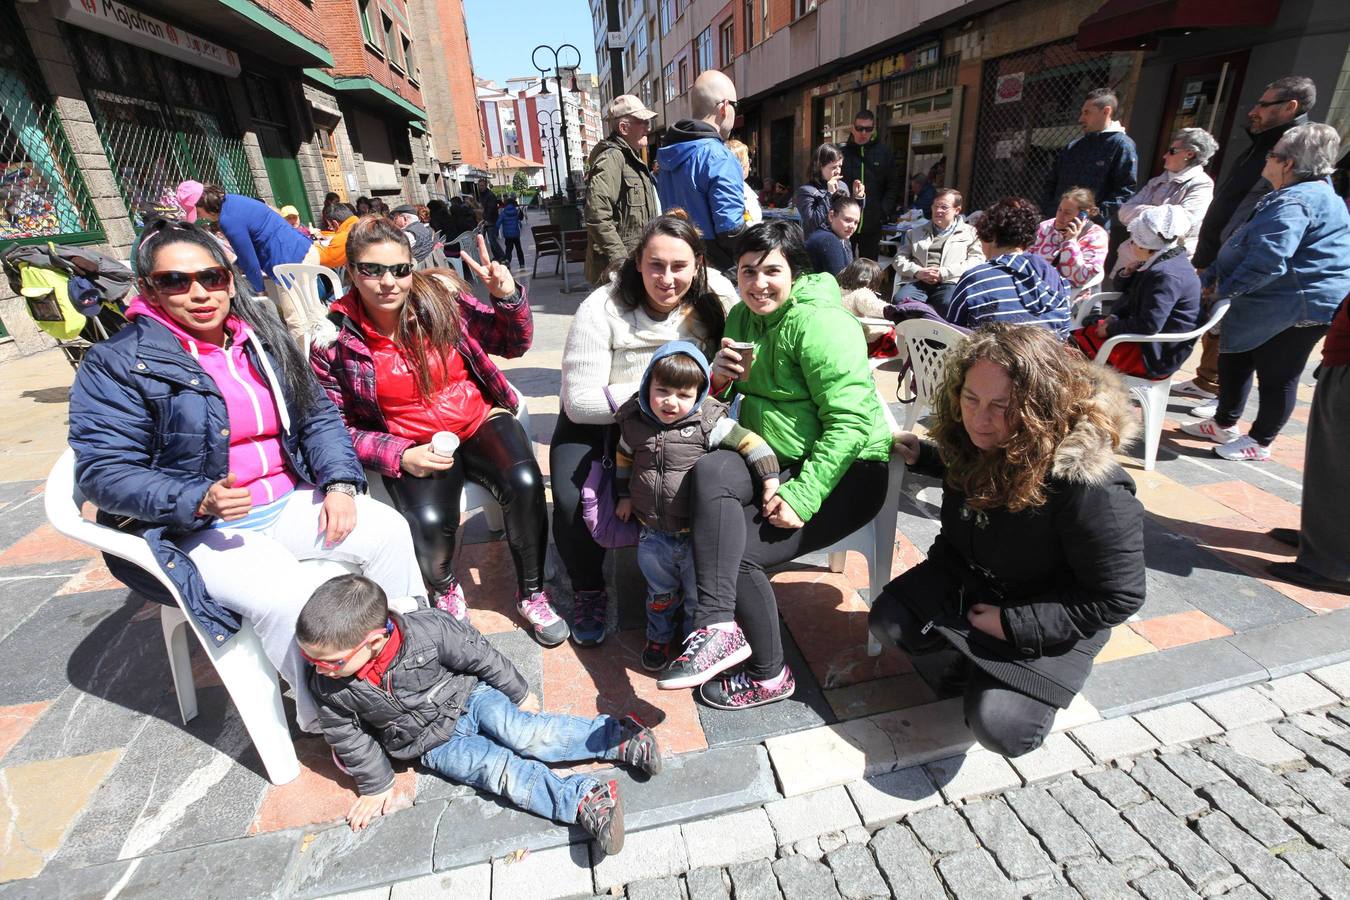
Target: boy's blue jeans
x=500 y=749
x=667 y=562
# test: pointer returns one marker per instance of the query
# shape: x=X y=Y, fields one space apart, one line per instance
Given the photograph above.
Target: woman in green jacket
x=808 y=390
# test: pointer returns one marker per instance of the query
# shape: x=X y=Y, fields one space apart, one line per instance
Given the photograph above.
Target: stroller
x=73 y=294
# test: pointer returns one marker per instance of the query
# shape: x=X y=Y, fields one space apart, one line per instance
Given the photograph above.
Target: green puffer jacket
x=810 y=393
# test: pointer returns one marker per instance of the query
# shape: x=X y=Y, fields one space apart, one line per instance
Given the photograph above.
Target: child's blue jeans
x=500 y=749
x=667 y=562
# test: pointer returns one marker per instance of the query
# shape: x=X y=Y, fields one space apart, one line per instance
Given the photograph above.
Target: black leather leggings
x=500 y=458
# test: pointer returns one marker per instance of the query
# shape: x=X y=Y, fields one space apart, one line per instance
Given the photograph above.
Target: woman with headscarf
x=1160 y=296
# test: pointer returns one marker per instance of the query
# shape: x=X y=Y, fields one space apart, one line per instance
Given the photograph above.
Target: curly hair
x=1053 y=389
x=1011 y=222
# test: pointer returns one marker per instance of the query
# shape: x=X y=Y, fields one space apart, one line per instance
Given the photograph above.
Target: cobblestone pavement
x=105 y=792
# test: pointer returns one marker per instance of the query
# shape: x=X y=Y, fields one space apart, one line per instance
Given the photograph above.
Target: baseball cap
x=288 y=211
x=628 y=105
x=188 y=193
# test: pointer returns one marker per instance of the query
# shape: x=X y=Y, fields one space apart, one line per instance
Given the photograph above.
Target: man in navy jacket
x=1104 y=160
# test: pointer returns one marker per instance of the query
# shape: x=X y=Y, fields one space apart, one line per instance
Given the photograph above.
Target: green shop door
x=283 y=171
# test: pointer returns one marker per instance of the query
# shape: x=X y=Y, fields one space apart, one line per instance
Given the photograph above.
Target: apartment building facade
x=639 y=54
x=521 y=119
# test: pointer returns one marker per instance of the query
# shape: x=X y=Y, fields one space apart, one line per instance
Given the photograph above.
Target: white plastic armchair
x=301 y=284
x=925 y=343
x=1082 y=307
x=1152 y=395
x=244 y=669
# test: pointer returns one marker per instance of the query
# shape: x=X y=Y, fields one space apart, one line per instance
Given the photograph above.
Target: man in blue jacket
x=1104 y=160
x=261 y=240
x=699 y=174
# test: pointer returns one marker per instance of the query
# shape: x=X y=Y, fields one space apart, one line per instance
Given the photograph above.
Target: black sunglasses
x=735 y=104
x=864 y=128
x=377 y=270
x=216 y=278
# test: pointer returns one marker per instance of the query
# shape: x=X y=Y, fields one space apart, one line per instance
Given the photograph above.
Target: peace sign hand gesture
x=496 y=276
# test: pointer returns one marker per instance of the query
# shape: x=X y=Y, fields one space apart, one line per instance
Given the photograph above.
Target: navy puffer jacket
x=151 y=434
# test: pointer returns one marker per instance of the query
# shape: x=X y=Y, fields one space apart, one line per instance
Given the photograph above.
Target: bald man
x=699 y=174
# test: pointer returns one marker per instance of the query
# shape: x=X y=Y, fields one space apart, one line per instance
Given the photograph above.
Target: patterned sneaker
x=655 y=655
x=1243 y=448
x=1210 y=429
x=537 y=609
x=451 y=599
x=740 y=691
x=1204 y=410
x=589 y=609
x=1191 y=389
x=707 y=651
x=639 y=747
x=600 y=813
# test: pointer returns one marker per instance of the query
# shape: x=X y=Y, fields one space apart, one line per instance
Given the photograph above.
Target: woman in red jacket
x=409 y=360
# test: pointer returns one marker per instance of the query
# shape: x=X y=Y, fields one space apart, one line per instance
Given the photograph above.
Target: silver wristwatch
x=340 y=487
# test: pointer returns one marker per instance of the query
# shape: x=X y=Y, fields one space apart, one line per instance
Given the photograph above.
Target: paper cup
x=445 y=443
x=747 y=352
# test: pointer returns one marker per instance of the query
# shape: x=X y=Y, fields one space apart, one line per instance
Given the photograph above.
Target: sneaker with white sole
x=548 y=627
x=451 y=599
x=1191 y=389
x=1204 y=410
x=707 y=651
x=1243 y=448
x=1212 y=430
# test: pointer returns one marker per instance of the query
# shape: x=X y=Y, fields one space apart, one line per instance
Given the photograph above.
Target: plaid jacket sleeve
x=502 y=327
x=378 y=450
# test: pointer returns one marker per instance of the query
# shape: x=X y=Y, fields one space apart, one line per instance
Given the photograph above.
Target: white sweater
x=609 y=346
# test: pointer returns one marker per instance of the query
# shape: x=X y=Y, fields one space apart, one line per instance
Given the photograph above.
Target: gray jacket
x=423 y=694
x=960 y=252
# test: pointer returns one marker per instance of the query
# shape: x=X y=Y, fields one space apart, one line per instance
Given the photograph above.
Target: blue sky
x=503 y=32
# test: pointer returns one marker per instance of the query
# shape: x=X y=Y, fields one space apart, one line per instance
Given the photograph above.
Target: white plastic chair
x=926 y=343
x=244 y=668
x=301 y=284
x=875 y=540
x=1152 y=395
x=1082 y=305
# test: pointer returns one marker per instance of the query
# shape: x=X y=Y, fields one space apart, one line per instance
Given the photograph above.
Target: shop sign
x=117 y=20
x=1009 y=87
x=901 y=63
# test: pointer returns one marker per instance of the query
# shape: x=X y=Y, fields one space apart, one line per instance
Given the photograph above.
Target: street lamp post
x=549 y=137
x=550 y=146
x=558 y=53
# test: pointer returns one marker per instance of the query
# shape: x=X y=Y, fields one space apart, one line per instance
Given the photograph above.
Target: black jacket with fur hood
x=1063 y=573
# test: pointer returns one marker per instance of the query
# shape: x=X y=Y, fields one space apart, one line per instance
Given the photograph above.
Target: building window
x=408 y=61
x=680 y=7
x=802 y=7
x=684 y=75
x=749 y=16
x=367 y=22
x=728 y=34
x=667 y=15
x=640 y=33
x=42 y=193
x=669 y=76
x=703 y=50
x=390 y=40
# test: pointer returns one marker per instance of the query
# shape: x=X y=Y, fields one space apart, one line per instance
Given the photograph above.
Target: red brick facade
x=379 y=54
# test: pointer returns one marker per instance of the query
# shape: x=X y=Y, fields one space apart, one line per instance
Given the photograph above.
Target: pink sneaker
x=451 y=599
x=547 y=626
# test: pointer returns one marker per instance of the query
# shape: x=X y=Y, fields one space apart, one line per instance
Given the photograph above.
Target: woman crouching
x=1041 y=550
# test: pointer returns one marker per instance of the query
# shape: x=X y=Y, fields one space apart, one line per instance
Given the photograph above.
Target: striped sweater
x=1012 y=289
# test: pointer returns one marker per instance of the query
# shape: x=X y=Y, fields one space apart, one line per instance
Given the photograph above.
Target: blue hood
x=1039 y=286
x=670 y=349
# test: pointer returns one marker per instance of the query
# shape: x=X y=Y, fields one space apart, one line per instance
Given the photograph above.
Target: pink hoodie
x=256 y=455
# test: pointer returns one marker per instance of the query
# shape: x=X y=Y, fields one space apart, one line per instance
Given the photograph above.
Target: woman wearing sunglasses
x=408 y=362
x=199 y=427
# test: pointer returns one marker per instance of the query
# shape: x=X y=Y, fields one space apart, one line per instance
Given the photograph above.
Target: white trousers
x=258 y=573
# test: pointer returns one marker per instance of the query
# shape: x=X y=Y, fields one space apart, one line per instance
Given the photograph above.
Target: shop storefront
x=42 y=193
x=917 y=102
x=1029 y=107
x=160 y=102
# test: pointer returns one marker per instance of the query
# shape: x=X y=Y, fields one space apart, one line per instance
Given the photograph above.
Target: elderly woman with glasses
x=200 y=428
x=1183 y=183
x=1285 y=272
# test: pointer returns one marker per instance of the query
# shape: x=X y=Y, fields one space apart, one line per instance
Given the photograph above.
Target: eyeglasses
x=216 y=278
x=735 y=104
x=1171 y=151
x=865 y=128
x=1271 y=102
x=377 y=270
x=333 y=665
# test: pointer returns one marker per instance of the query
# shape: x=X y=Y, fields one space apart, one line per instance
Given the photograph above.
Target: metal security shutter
x=1029 y=106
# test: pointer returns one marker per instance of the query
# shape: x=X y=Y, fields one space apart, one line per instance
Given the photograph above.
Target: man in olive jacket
x=620 y=191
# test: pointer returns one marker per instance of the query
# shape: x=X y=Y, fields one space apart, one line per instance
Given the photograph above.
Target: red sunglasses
x=333 y=665
x=216 y=278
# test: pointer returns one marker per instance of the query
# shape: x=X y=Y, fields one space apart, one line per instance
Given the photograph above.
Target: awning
x=242 y=23
x=372 y=92
x=1137 y=24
